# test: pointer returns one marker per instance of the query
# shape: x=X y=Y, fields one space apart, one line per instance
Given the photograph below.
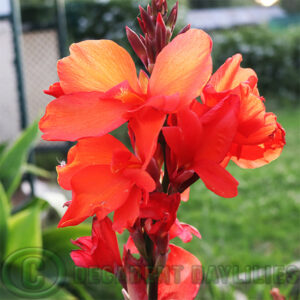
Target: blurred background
x=250 y=243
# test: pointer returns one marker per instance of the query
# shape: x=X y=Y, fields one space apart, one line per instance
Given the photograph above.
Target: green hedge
x=274 y=55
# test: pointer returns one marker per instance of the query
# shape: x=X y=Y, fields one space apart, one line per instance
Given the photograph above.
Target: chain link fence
x=40 y=50
x=9 y=110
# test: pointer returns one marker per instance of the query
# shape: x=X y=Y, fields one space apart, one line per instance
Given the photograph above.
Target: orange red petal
x=183 y=67
x=182 y=276
x=96 y=190
x=96 y=65
x=230 y=74
x=81 y=115
x=89 y=151
x=217 y=179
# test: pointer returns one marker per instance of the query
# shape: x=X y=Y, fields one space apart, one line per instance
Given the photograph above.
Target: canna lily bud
x=137 y=45
x=171 y=21
x=185 y=29
x=160 y=33
x=148 y=23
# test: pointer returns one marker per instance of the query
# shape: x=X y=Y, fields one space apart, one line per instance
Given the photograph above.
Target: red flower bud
x=137 y=45
x=171 y=21
x=185 y=29
x=148 y=23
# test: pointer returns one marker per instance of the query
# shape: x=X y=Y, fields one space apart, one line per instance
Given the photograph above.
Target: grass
x=258 y=228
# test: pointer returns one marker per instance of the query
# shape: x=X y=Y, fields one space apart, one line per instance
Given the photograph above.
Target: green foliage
x=291 y=6
x=21 y=250
x=4 y=213
x=274 y=55
x=24 y=230
x=13 y=158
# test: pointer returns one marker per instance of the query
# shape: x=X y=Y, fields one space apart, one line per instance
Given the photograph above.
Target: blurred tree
x=291 y=6
x=209 y=3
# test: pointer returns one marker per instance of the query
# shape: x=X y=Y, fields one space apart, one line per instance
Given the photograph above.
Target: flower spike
x=157 y=27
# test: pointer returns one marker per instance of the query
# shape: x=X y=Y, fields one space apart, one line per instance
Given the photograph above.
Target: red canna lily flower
x=160 y=214
x=203 y=153
x=100 y=250
x=99 y=90
x=180 y=278
x=160 y=218
x=104 y=176
x=259 y=139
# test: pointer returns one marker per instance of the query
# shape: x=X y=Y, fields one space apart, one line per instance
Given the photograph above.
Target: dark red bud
x=149 y=10
x=160 y=33
x=153 y=6
x=164 y=9
x=185 y=29
x=142 y=39
x=173 y=17
x=141 y=25
x=148 y=24
x=150 y=49
x=137 y=45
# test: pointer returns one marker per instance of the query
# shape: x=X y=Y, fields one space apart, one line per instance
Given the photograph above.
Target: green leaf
x=78 y=289
x=28 y=283
x=14 y=185
x=30 y=202
x=34 y=170
x=58 y=241
x=2 y=148
x=4 y=213
x=24 y=230
x=12 y=159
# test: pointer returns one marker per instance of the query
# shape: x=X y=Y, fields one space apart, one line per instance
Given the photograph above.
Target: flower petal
x=219 y=129
x=230 y=74
x=95 y=191
x=217 y=179
x=182 y=276
x=80 y=115
x=146 y=125
x=184 y=231
x=126 y=215
x=96 y=66
x=102 y=249
x=89 y=151
x=183 y=66
x=255 y=156
x=55 y=90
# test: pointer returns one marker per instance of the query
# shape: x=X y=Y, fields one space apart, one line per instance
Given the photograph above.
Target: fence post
x=17 y=32
x=62 y=27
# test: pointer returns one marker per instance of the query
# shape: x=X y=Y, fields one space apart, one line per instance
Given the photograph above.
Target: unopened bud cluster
x=157 y=27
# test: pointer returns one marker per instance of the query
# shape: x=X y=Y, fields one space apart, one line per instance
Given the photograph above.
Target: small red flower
x=180 y=278
x=204 y=152
x=99 y=250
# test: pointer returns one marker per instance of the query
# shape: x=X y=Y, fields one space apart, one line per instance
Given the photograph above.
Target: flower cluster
x=184 y=123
